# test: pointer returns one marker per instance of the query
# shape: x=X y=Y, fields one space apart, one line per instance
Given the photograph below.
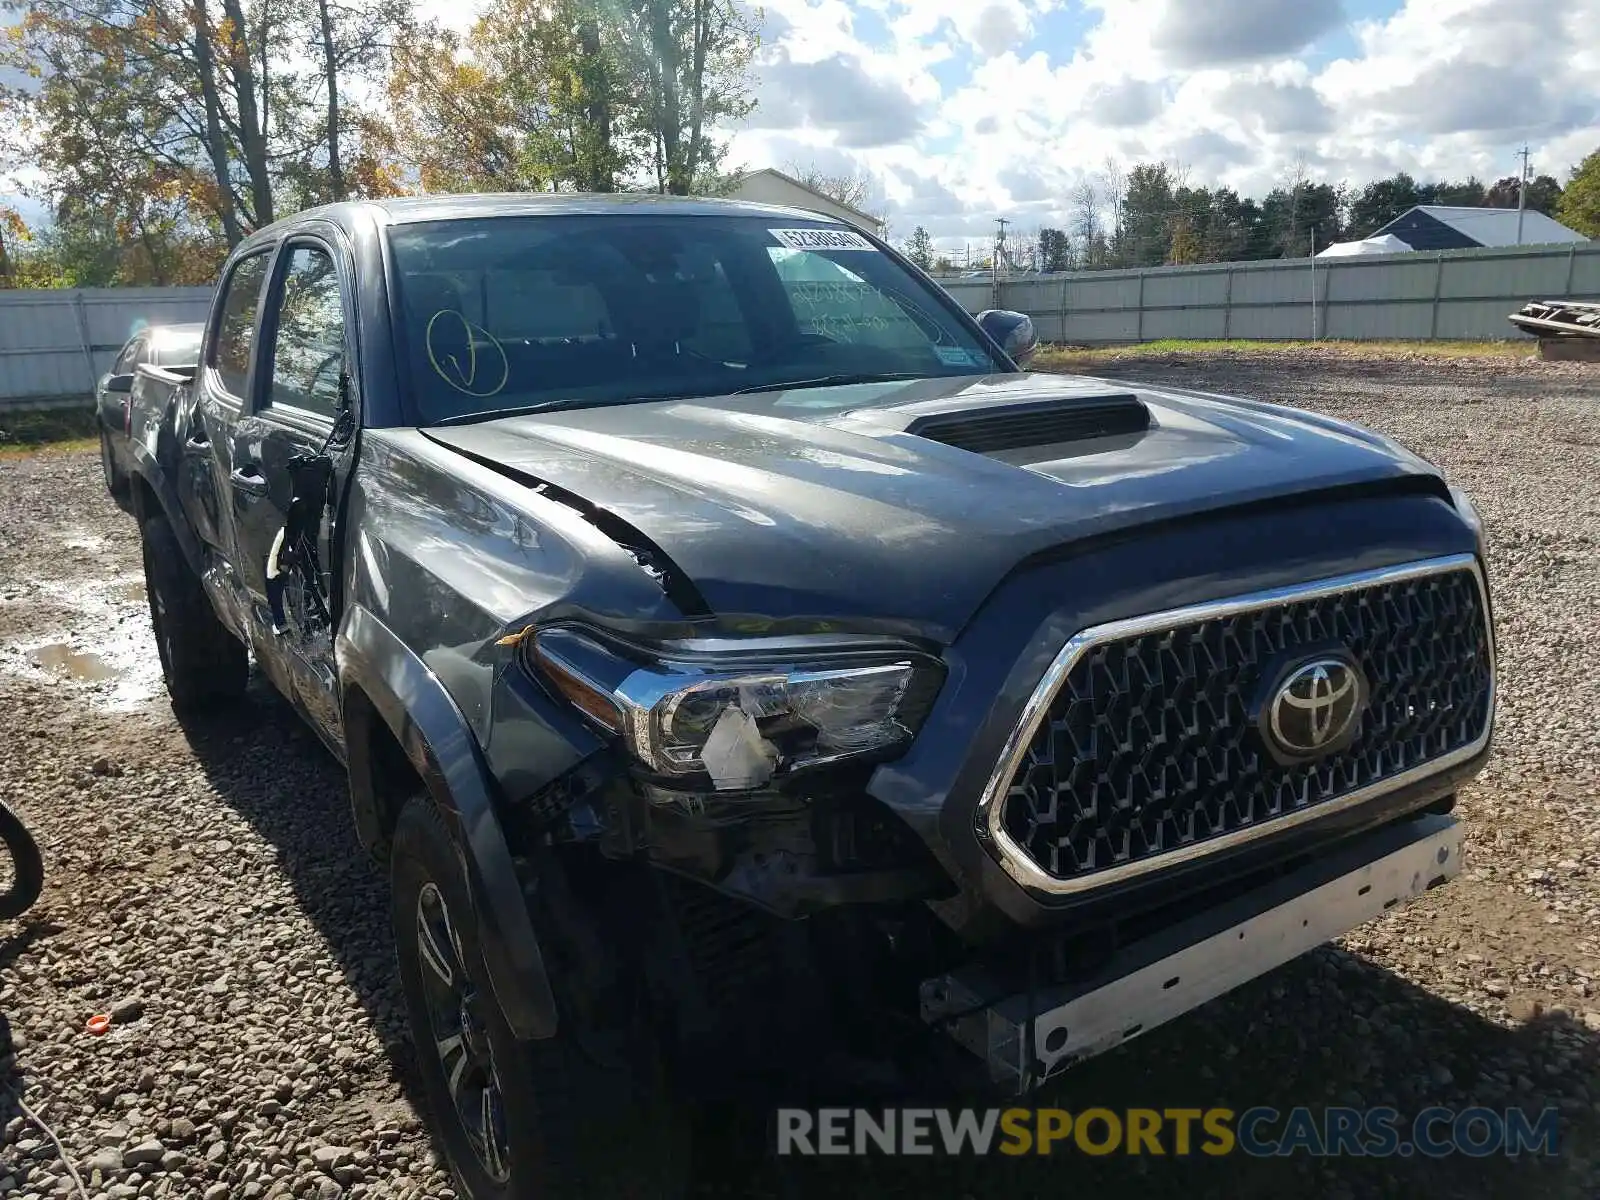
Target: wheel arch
x=392 y=701
x=151 y=494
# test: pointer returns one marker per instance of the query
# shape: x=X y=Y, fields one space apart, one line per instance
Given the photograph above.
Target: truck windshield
x=510 y=313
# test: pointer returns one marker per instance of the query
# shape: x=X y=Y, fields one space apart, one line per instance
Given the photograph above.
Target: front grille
x=1148 y=745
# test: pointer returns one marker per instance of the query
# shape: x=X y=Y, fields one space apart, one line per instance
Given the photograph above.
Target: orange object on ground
x=99 y=1023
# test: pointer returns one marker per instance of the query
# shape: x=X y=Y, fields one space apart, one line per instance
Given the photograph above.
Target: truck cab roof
x=405 y=210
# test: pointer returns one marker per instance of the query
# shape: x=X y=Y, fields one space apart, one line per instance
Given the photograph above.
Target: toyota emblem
x=1316 y=708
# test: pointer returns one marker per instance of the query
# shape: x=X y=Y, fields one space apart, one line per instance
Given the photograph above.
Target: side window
x=237 y=331
x=128 y=361
x=308 y=354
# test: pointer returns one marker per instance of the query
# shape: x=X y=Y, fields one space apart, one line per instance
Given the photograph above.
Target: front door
x=282 y=476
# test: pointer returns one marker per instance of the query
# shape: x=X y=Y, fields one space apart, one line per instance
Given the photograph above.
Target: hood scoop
x=1005 y=427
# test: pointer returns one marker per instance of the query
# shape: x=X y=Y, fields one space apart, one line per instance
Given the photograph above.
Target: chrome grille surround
x=1019 y=863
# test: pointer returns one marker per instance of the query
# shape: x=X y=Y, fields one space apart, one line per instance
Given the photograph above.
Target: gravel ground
x=205 y=886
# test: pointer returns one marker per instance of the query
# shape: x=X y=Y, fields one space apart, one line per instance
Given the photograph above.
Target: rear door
x=216 y=402
x=305 y=357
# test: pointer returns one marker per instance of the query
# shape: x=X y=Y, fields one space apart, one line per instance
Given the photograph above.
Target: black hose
x=27 y=865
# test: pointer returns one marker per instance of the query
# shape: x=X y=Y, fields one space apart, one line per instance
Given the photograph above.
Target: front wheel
x=514 y=1119
x=22 y=877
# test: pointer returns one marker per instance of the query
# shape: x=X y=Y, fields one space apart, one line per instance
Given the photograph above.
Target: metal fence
x=1457 y=294
x=54 y=345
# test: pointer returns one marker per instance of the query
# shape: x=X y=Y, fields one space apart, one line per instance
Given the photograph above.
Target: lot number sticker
x=821 y=239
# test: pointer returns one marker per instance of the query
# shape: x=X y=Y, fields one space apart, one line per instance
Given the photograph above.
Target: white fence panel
x=1459 y=294
x=54 y=345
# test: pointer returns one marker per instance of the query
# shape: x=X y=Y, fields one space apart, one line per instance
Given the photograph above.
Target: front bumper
x=1024 y=1038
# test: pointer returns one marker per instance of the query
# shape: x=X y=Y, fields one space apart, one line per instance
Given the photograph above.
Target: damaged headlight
x=740 y=715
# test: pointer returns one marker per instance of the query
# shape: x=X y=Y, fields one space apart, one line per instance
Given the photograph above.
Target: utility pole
x=1313 y=283
x=999 y=257
x=1522 y=191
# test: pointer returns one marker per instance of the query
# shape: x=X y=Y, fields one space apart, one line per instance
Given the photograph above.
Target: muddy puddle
x=79 y=664
x=94 y=637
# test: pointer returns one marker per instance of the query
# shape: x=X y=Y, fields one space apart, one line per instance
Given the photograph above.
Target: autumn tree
x=350 y=42
x=14 y=232
x=1580 y=199
x=585 y=95
x=1185 y=246
x=533 y=98
x=452 y=123
x=167 y=130
x=688 y=62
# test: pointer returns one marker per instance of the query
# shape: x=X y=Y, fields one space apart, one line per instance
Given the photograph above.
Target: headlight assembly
x=741 y=714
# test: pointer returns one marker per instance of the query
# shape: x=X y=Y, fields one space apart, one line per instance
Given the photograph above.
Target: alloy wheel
x=455 y=1008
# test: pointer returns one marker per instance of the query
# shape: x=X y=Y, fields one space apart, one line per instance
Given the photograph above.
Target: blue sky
x=962 y=111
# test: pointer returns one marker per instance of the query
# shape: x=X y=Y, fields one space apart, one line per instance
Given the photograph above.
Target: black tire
x=569 y=1126
x=26 y=878
x=116 y=482
x=202 y=663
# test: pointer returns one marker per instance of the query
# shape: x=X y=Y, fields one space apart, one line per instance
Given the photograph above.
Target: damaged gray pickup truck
x=750 y=674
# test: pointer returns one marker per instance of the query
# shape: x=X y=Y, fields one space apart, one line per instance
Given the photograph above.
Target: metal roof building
x=1440 y=227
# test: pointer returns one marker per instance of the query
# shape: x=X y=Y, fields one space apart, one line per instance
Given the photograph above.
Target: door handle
x=248 y=479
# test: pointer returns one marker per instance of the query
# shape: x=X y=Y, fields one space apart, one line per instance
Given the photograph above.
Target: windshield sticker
x=821 y=239
x=956 y=356
x=458 y=358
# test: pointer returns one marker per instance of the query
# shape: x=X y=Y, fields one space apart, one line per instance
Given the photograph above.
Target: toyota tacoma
x=747 y=670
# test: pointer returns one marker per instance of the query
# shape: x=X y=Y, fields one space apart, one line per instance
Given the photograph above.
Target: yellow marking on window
x=464 y=378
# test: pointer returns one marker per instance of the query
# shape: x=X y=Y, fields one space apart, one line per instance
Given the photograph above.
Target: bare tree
x=1086 y=220
x=1115 y=182
x=853 y=188
x=1299 y=177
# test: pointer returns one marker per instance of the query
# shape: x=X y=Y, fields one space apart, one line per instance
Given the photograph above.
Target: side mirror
x=119 y=383
x=1013 y=330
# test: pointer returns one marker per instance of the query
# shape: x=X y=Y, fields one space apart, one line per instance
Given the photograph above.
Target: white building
x=774 y=187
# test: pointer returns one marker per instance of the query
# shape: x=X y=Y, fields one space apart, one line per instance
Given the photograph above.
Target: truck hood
x=821 y=503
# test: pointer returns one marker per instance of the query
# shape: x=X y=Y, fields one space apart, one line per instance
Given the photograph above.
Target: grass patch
x=57 y=429
x=1065 y=356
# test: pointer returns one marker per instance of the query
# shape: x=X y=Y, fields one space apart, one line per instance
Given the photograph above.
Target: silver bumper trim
x=1098 y=1019
x=991 y=805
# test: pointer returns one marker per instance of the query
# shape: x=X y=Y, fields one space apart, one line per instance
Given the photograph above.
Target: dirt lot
x=205 y=884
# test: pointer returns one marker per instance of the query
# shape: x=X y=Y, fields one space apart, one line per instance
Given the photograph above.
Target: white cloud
x=1239 y=31
x=1237 y=93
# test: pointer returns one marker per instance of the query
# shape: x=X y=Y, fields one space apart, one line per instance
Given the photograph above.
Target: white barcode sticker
x=821 y=239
